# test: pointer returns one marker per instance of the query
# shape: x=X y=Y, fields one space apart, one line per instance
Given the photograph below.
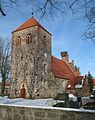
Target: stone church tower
x=31 y=59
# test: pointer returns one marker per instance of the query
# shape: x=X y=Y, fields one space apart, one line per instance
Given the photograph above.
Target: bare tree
x=85 y=8
x=51 y=6
x=5 y=53
x=42 y=6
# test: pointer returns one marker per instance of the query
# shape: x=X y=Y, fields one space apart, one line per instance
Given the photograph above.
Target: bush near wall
x=60 y=104
x=90 y=105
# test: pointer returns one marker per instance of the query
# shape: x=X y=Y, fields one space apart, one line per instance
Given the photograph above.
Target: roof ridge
x=66 y=64
x=71 y=69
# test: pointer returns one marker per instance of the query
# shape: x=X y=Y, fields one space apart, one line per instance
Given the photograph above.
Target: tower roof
x=30 y=23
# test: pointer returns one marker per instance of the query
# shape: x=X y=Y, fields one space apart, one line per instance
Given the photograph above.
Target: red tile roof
x=58 y=68
x=30 y=23
x=61 y=69
x=78 y=79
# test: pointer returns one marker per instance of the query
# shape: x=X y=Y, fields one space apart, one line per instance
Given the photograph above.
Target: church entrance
x=23 y=92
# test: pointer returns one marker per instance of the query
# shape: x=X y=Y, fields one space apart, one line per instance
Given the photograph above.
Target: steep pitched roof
x=58 y=68
x=61 y=69
x=30 y=23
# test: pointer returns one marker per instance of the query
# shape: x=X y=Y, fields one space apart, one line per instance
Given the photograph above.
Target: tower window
x=44 y=36
x=21 y=57
x=29 y=39
x=18 y=41
x=45 y=68
x=44 y=41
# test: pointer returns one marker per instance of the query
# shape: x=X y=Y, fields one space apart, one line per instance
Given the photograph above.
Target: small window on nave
x=18 y=41
x=29 y=39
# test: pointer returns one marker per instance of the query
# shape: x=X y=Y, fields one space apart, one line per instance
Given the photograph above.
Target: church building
x=35 y=73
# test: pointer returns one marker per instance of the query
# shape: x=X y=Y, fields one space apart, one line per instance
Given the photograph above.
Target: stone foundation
x=34 y=113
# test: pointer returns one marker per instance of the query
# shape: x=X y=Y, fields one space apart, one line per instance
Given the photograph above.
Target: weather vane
x=32 y=12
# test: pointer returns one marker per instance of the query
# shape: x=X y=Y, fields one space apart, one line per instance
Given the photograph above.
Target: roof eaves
x=22 y=29
x=61 y=77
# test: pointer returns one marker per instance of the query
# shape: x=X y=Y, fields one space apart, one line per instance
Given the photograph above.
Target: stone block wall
x=34 y=113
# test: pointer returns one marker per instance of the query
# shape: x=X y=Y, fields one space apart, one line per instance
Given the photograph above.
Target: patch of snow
x=72 y=97
x=86 y=97
x=86 y=100
x=38 y=103
x=78 y=86
x=29 y=102
x=69 y=86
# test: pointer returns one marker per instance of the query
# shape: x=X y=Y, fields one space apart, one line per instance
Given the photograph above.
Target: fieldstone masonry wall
x=31 y=63
x=34 y=113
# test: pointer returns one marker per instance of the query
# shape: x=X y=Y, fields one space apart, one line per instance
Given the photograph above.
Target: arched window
x=18 y=41
x=23 y=91
x=45 y=68
x=29 y=38
x=44 y=41
x=44 y=37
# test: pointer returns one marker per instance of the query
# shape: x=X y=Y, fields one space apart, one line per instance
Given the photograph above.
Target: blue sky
x=66 y=36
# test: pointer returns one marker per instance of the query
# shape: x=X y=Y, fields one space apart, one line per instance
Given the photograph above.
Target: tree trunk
x=3 y=85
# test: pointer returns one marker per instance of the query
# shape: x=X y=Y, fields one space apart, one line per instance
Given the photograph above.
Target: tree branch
x=1 y=10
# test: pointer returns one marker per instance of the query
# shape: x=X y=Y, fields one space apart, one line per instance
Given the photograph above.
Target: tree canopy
x=90 y=81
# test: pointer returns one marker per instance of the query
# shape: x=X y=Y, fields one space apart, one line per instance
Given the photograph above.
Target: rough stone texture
x=29 y=113
x=31 y=65
x=57 y=85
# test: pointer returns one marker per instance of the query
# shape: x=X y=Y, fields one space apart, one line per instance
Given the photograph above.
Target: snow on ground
x=28 y=102
x=86 y=100
x=37 y=103
x=72 y=97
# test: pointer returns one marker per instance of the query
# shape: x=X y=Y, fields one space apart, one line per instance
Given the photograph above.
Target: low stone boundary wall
x=9 y=112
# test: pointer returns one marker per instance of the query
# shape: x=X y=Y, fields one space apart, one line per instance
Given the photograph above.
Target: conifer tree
x=90 y=81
